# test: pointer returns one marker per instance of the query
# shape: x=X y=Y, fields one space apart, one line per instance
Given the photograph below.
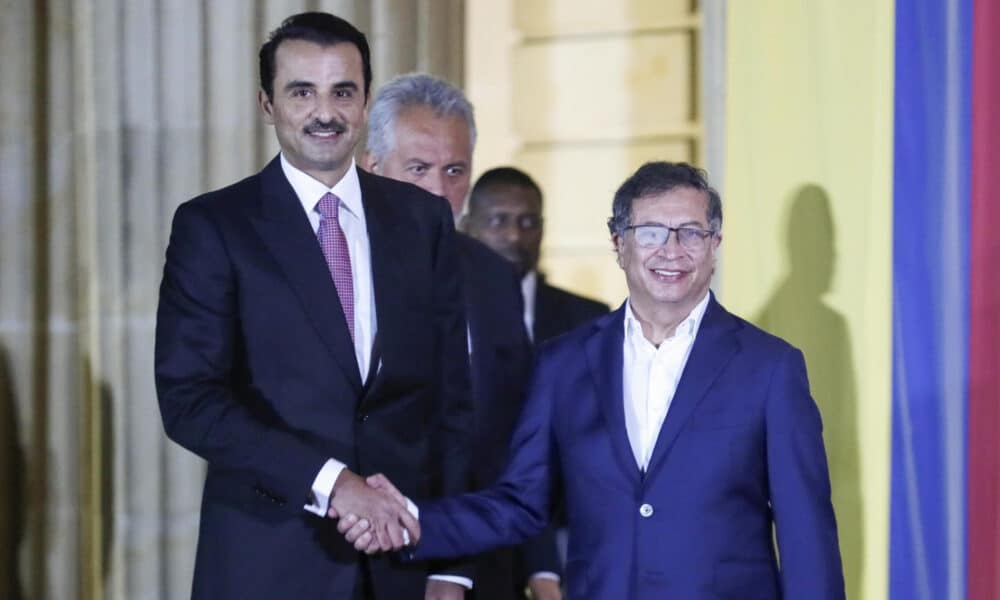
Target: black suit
x=558 y=311
x=256 y=373
x=501 y=365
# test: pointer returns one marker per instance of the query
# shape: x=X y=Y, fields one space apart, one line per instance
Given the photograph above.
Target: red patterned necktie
x=338 y=257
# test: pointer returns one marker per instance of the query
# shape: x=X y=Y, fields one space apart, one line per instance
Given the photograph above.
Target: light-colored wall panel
x=574 y=17
x=608 y=88
x=579 y=182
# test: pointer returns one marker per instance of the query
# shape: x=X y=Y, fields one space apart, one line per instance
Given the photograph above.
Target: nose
x=324 y=107
x=511 y=231
x=672 y=247
x=434 y=182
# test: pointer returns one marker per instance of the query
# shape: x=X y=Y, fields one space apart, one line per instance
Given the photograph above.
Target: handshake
x=373 y=515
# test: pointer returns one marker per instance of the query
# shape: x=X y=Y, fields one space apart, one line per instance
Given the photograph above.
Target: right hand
x=379 y=514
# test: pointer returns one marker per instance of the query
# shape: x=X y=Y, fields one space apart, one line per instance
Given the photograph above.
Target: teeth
x=666 y=273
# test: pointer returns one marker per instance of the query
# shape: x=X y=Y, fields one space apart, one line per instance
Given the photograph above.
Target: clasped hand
x=372 y=513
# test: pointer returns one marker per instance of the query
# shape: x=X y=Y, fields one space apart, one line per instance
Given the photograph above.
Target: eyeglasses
x=523 y=222
x=654 y=236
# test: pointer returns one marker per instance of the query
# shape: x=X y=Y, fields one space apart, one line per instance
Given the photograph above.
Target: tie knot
x=327 y=206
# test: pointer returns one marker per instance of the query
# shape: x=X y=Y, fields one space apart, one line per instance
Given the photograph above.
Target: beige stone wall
x=579 y=93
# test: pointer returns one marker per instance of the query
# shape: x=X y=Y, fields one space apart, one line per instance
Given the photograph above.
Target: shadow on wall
x=11 y=487
x=796 y=311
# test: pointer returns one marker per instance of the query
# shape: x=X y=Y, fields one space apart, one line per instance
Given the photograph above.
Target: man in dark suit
x=505 y=213
x=310 y=329
x=421 y=129
x=685 y=439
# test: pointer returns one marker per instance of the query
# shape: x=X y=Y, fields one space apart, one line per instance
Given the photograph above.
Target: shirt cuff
x=322 y=487
x=545 y=575
x=462 y=581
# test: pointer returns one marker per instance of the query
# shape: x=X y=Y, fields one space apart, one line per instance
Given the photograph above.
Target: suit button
x=646 y=510
x=363 y=418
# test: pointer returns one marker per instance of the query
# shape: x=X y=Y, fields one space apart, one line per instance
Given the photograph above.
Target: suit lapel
x=713 y=348
x=286 y=232
x=548 y=315
x=604 y=351
x=387 y=243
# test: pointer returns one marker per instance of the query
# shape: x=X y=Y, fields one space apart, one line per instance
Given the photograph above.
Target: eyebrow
x=697 y=224
x=301 y=83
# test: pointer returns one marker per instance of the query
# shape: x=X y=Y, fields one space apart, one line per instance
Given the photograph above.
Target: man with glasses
x=683 y=438
x=505 y=213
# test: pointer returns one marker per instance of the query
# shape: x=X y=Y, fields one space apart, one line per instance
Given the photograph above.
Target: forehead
x=506 y=197
x=309 y=61
x=420 y=133
x=677 y=206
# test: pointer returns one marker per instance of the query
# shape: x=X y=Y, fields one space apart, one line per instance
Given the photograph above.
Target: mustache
x=332 y=126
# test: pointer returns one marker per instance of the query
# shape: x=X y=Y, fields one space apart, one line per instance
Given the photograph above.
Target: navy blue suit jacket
x=740 y=452
x=256 y=373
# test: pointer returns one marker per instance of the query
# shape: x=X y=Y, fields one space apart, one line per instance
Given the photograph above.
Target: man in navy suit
x=683 y=438
x=422 y=130
x=310 y=330
x=505 y=213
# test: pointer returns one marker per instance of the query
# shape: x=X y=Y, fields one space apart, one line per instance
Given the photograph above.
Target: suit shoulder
x=580 y=304
x=575 y=339
x=228 y=195
x=760 y=340
x=401 y=195
x=479 y=256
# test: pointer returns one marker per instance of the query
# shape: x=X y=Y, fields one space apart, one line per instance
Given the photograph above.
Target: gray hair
x=655 y=178
x=409 y=90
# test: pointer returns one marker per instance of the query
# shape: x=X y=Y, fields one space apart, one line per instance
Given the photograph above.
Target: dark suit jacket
x=501 y=365
x=740 y=451
x=558 y=311
x=256 y=373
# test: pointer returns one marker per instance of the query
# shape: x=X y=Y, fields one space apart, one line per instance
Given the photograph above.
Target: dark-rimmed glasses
x=654 y=236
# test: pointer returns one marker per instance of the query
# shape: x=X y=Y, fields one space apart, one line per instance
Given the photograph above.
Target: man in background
x=422 y=130
x=505 y=213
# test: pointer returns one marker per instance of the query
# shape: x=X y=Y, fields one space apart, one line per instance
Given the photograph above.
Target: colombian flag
x=862 y=198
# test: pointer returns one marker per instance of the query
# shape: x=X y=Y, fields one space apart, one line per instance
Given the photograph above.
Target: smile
x=667 y=275
x=324 y=134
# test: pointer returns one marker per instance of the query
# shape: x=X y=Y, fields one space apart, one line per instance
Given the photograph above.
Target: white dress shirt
x=529 y=286
x=351 y=215
x=650 y=377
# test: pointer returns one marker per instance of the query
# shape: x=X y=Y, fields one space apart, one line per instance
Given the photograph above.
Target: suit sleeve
x=204 y=400
x=539 y=555
x=800 y=486
x=518 y=506
x=453 y=418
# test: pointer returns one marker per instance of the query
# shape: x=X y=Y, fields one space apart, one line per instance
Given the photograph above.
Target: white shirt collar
x=688 y=327
x=529 y=287
x=309 y=190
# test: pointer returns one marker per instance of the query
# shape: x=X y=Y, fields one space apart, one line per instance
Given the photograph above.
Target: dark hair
x=501 y=176
x=658 y=177
x=317 y=27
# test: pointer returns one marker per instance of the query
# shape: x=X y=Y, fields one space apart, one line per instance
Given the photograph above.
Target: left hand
x=443 y=590
x=542 y=588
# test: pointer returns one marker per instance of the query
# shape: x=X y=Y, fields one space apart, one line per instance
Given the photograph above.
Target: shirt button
x=646 y=510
